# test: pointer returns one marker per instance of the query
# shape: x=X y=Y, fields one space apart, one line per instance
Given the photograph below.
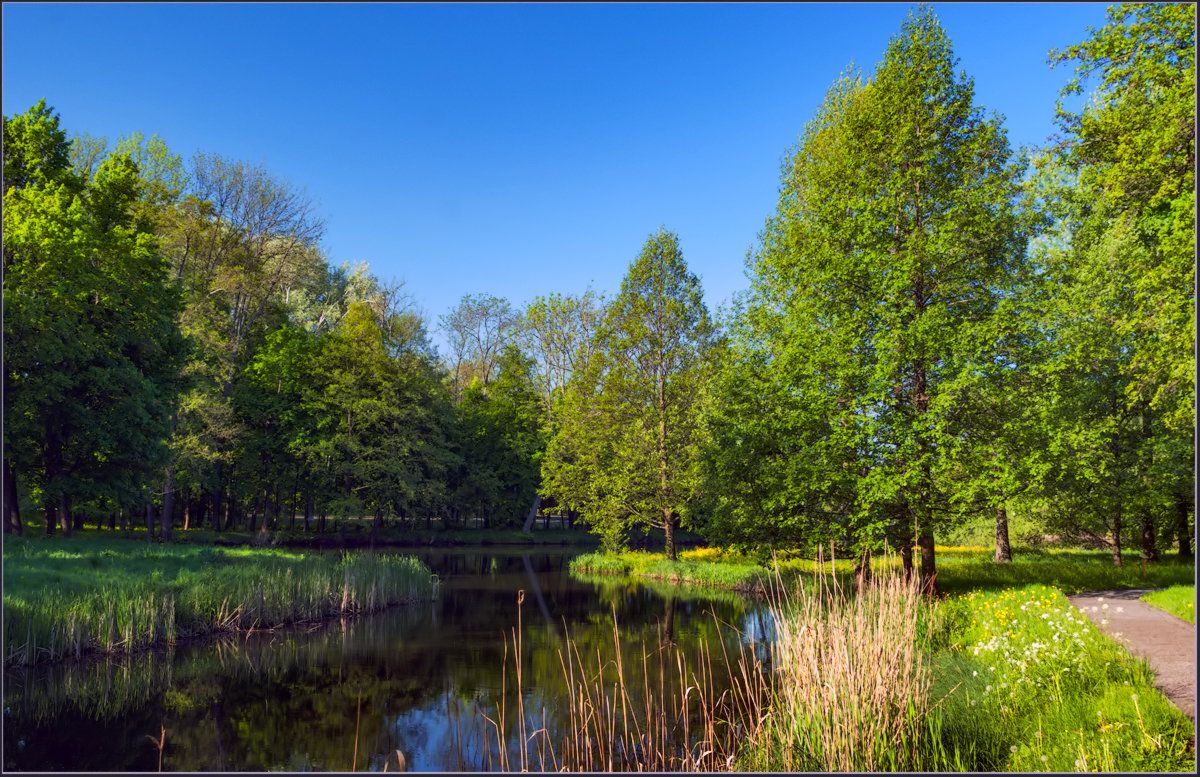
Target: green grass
x=1028 y=683
x=1022 y=680
x=1179 y=600
x=960 y=570
x=67 y=598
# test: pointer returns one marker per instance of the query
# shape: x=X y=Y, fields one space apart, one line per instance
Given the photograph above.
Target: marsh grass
x=1179 y=600
x=66 y=599
x=621 y=718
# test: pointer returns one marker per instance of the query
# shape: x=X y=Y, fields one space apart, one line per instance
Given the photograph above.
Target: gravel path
x=1167 y=643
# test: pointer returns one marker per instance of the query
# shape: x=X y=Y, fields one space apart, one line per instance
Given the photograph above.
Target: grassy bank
x=960 y=569
x=1003 y=674
x=1012 y=679
x=68 y=598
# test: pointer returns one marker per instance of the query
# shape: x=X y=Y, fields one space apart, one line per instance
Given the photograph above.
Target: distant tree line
x=938 y=329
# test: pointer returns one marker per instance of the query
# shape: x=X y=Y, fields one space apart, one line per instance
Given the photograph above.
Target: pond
x=429 y=684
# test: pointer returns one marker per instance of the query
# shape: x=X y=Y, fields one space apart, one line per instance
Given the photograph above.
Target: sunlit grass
x=1179 y=600
x=960 y=569
x=1032 y=684
x=68 y=598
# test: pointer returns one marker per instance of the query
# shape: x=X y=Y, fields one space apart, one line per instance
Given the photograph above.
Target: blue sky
x=518 y=149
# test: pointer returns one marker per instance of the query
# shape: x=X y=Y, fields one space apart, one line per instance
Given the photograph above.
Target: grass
x=850 y=680
x=960 y=569
x=1179 y=600
x=69 y=598
x=1038 y=687
x=995 y=677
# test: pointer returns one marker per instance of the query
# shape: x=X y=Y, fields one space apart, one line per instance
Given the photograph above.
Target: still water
x=428 y=680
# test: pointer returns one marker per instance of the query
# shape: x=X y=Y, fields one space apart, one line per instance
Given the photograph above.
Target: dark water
x=424 y=679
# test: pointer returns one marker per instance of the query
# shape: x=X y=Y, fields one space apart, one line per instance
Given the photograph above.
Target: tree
x=559 y=331
x=477 y=330
x=500 y=442
x=876 y=280
x=1123 y=269
x=92 y=345
x=1133 y=146
x=627 y=448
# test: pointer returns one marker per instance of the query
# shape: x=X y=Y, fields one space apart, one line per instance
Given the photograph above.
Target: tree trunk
x=862 y=570
x=64 y=514
x=1116 y=537
x=168 y=513
x=906 y=558
x=12 y=509
x=928 y=562
x=1003 y=549
x=218 y=488
x=1149 y=546
x=231 y=504
x=187 y=507
x=51 y=516
x=308 y=509
x=669 y=529
x=1182 y=532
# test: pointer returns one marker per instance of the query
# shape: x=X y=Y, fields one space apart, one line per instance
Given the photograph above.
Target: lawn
x=1179 y=600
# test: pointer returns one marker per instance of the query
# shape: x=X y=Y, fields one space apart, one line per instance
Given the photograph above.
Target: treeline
x=938 y=328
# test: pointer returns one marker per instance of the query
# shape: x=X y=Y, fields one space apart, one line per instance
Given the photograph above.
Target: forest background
x=940 y=331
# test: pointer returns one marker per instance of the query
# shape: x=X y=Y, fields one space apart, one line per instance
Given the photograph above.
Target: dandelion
x=1133 y=696
x=1045 y=758
x=1013 y=748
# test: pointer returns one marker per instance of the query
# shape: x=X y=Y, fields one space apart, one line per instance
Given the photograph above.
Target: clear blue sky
x=515 y=149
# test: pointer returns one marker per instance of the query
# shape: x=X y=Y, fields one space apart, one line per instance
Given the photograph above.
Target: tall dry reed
x=844 y=686
x=850 y=684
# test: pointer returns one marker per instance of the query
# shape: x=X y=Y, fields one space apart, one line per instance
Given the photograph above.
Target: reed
x=175 y=594
x=850 y=682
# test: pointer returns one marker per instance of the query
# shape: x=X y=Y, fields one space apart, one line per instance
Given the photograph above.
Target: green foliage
x=36 y=151
x=1133 y=144
x=92 y=345
x=1117 y=282
x=501 y=443
x=626 y=450
x=874 y=289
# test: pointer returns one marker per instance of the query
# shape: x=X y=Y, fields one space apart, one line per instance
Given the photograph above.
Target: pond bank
x=70 y=598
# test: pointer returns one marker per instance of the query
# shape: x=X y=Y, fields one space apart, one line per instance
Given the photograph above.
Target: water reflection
x=432 y=681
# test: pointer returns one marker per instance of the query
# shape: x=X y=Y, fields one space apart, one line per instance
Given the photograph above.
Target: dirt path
x=1167 y=643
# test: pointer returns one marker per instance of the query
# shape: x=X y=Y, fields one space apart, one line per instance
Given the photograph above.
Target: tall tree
x=878 y=275
x=1124 y=274
x=627 y=449
x=1133 y=146
x=558 y=331
x=477 y=330
x=92 y=345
